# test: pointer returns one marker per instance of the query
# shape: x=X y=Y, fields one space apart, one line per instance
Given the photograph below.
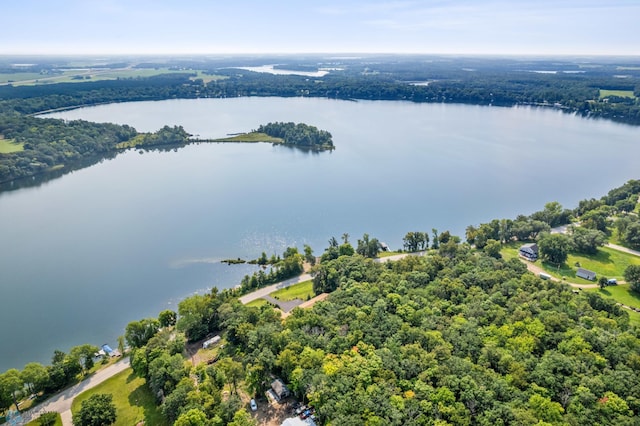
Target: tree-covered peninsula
x=41 y=145
x=300 y=135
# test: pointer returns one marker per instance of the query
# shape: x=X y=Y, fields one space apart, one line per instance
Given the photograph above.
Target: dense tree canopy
x=632 y=276
x=554 y=248
x=299 y=134
x=97 y=410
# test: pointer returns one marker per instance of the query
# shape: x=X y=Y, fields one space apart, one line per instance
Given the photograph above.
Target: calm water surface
x=121 y=240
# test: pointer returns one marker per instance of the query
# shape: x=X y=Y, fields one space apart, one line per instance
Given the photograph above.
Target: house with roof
x=586 y=274
x=279 y=390
x=529 y=251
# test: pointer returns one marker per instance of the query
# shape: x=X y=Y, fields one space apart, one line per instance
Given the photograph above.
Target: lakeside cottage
x=278 y=390
x=529 y=251
x=586 y=274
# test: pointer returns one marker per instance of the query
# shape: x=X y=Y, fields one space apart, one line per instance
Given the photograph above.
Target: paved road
x=61 y=402
x=623 y=249
x=265 y=291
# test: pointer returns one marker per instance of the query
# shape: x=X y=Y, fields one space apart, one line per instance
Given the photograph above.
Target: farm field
x=620 y=93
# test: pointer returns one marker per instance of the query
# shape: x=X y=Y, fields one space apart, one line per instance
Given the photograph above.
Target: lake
x=123 y=239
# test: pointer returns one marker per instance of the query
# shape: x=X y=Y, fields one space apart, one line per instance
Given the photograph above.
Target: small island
x=293 y=134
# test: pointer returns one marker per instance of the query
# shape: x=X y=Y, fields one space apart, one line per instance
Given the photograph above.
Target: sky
x=525 y=27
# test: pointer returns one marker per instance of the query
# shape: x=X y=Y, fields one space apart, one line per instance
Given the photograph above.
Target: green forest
x=453 y=337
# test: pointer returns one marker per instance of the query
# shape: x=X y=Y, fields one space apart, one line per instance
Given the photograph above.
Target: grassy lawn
x=250 y=137
x=615 y=237
x=302 y=291
x=8 y=145
x=19 y=76
x=608 y=262
x=132 y=398
x=257 y=303
x=35 y=422
x=620 y=93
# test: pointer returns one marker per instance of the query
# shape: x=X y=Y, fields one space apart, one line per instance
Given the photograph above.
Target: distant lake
x=85 y=254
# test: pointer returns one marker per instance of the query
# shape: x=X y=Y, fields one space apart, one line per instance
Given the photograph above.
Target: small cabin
x=280 y=390
x=529 y=251
x=586 y=274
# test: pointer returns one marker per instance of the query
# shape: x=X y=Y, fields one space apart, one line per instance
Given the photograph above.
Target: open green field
x=608 y=262
x=132 y=398
x=89 y=74
x=18 y=76
x=619 y=93
x=8 y=146
x=206 y=78
x=252 y=137
x=302 y=291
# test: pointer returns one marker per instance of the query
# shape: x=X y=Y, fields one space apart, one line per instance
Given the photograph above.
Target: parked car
x=254 y=406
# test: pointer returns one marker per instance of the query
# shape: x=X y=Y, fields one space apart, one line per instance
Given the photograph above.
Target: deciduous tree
x=632 y=276
x=554 y=248
x=97 y=410
x=138 y=333
x=167 y=318
x=35 y=376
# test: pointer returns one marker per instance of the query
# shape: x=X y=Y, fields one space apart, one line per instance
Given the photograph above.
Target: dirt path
x=538 y=270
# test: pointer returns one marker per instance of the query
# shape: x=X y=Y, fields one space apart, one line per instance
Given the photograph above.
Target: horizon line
x=324 y=53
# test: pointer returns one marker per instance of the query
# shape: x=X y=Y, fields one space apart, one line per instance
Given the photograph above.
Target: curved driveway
x=61 y=402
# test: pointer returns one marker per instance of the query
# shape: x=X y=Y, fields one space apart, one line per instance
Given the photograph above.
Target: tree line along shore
x=33 y=147
x=462 y=334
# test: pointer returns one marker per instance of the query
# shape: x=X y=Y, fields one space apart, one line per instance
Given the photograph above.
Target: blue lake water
x=123 y=239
